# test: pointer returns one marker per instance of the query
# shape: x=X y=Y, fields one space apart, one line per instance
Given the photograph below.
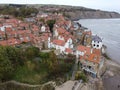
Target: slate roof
x=96 y=38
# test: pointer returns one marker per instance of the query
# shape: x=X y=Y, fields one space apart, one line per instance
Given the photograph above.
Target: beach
x=111 y=78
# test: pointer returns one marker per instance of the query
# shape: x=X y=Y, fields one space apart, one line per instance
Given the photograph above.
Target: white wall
x=43 y=29
x=79 y=53
x=60 y=38
x=94 y=44
x=55 y=33
x=69 y=43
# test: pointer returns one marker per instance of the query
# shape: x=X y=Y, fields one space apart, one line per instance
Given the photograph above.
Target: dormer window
x=16 y=42
x=86 y=56
x=95 y=58
x=27 y=38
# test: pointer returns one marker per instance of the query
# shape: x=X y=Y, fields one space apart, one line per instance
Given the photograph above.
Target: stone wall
x=13 y=85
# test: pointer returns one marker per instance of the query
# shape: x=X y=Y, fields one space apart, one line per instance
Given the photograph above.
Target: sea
x=109 y=31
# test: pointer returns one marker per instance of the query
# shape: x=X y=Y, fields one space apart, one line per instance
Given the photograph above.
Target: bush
x=81 y=75
x=51 y=23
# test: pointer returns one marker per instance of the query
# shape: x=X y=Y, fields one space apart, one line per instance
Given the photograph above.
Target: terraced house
x=91 y=61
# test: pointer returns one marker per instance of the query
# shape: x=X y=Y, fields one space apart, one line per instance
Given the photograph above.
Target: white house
x=61 y=37
x=69 y=43
x=96 y=42
x=57 y=44
x=58 y=31
x=68 y=51
x=60 y=44
x=43 y=28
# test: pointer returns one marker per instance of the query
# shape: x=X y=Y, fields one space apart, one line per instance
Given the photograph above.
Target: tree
x=14 y=55
x=81 y=75
x=32 y=52
x=52 y=63
x=51 y=23
x=44 y=55
x=42 y=20
x=22 y=12
x=6 y=67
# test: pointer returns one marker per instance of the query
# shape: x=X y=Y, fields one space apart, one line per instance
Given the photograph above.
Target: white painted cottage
x=96 y=42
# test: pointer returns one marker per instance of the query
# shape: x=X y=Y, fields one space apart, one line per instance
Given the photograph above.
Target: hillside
x=76 y=13
x=72 y=12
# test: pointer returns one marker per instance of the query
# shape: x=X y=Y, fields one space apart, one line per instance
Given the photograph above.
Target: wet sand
x=112 y=83
x=111 y=79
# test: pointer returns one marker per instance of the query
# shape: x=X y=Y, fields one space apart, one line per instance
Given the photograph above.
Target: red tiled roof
x=59 y=42
x=68 y=50
x=23 y=25
x=6 y=24
x=2 y=32
x=12 y=32
x=61 y=30
x=13 y=20
x=92 y=58
x=84 y=49
x=23 y=32
x=1 y=25
x=25 y=39
x=10 y=42
x=8 y=29
x=97 y=51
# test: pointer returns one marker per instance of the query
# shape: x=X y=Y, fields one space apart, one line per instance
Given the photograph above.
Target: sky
x=108 y=5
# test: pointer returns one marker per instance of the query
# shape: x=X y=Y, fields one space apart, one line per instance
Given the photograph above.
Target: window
x=95 y=58
x=89 y=67
x=97 y=45
x=93 y=44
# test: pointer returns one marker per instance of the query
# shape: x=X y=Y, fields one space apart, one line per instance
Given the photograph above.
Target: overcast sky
x=110 y=5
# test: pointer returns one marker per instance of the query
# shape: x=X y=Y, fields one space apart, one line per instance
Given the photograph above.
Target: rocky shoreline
x=110 y=80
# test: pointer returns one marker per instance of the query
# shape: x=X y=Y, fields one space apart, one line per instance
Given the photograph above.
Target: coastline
x=111 y=78
x=103 y=83
x=108 y=29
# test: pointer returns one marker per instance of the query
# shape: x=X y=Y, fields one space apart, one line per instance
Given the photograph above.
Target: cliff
x=75 y=13
x=72 y=12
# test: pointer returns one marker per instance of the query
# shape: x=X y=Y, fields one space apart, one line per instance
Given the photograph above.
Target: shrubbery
x=28 y=65
x=81 y=75
x=22 y=12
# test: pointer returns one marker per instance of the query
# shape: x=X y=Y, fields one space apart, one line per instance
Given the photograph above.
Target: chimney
x=91 y=51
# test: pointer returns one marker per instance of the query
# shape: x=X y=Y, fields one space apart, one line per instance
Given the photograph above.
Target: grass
x=37 y=72
x=23 y=74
